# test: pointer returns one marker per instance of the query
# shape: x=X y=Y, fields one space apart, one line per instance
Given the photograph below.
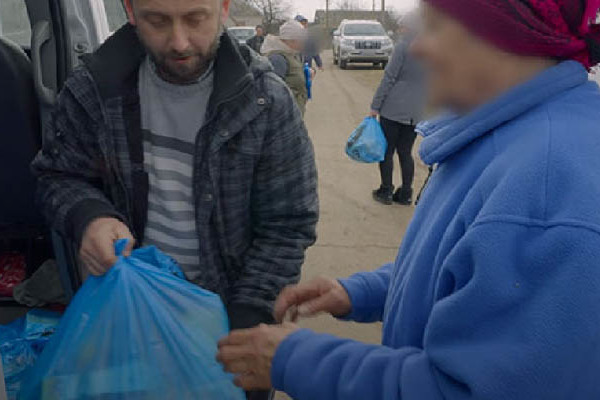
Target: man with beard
x=173 y=135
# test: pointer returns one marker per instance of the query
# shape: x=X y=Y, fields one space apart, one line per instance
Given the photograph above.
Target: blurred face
x=296 y=45
x=461 y=67
x=181 y=36
x=304 y=23
x=260 y=32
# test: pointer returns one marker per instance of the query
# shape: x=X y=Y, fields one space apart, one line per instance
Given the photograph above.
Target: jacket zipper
x=208 y=122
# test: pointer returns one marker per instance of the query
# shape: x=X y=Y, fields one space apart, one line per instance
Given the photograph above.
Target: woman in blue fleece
x=495 y=293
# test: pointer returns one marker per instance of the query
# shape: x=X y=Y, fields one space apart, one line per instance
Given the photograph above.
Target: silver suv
x=361 y=42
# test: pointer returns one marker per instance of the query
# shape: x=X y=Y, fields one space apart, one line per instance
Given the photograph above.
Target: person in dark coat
x=256 y=41
x=399 y=102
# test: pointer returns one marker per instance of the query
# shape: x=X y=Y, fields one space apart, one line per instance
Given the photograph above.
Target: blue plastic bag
x=308 y=78
x=139 y=332
x=367 y=143
x=21 y=343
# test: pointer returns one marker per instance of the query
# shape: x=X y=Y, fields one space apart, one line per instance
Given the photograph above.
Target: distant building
x=337 y=16
x=243 y=14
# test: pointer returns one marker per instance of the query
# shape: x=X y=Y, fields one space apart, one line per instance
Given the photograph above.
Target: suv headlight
x=387 y=43
x=347 y=42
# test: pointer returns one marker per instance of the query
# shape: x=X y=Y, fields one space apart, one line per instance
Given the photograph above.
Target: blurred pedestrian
x=312 y=48
x=285 y=54
x=494 y=293
x=256 y=41
x=399 y=102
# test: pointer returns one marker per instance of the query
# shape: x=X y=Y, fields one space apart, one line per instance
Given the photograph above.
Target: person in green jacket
x=285 y=54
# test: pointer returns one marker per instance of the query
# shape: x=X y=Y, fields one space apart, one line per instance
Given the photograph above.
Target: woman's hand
x=309 y=299
x=249 y=354
x=374 y=114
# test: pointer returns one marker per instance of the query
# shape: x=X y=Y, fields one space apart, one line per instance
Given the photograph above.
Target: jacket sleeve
x=284 y=204
x=515 y=317
x=390 y=76
x=368 y=293
x=69 y=169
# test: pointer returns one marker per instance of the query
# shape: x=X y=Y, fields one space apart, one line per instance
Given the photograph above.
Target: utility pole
x=327 y=16
x=383 y=19
x=373 y=6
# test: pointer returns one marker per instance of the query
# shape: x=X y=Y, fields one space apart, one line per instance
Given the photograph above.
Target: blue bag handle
x=120 y=246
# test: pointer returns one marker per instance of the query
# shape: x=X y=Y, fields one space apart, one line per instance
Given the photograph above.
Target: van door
x=61 y=32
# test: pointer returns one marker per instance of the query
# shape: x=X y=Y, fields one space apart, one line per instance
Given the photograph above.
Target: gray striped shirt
x=171 y=117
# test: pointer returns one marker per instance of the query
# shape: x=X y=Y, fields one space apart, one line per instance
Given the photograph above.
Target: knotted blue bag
x=141 y=332
x=367 y=143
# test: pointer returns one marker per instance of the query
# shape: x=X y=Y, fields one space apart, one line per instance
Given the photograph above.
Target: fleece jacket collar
x=450 y=133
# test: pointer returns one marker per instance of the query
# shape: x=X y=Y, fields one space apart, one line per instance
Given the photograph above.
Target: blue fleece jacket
x=495 y=293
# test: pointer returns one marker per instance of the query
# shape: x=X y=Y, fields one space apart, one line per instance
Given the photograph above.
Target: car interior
x=34 y=62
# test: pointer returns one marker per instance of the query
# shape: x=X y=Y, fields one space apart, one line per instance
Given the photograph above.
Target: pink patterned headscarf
x=562 y=29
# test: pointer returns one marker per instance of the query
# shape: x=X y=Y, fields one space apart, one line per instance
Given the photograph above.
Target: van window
x=14 y=22
x=115 y=14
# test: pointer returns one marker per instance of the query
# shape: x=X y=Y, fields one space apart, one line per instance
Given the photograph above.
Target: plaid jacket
x=255 y=180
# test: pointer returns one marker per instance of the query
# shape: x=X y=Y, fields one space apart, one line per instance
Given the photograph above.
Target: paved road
x=355 y=233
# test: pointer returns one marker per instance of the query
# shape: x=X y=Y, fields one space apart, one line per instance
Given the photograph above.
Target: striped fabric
x=171 y=116
x=171 y=218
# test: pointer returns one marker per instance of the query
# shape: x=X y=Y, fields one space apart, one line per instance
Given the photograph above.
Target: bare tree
x=274 y=12
x=348 y=5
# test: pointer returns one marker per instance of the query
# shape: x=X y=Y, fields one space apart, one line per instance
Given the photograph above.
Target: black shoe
x=403 y=197
x=383 y=195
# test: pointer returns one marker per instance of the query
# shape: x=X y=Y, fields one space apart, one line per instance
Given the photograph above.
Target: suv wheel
x=343 y=64
x=384 y=64
x=335 y=59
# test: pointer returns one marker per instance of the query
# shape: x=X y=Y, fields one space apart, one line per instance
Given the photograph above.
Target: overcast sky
x=308 y=7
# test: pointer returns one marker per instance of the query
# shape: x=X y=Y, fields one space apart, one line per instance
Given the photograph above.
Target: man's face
x=181 y=36
x=459 y=64
x=304 y=23
x=260 y=32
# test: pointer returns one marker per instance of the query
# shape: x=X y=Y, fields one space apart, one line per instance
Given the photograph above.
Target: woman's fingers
x=253 y=382
x=294 y=296
x=320 y=295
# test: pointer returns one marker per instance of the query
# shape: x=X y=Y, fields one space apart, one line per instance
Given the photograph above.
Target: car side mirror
x=336 y=33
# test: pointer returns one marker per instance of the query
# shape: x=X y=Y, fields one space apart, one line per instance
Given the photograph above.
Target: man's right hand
x=98 y=245
x=321 y=295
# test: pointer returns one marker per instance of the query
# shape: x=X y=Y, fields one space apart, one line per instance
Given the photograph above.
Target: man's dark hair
x=259 y=27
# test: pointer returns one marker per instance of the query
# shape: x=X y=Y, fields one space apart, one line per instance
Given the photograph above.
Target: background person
x=494 y=294
x=174 y=135
x=285 y=54
x=256 y=41
x=399 y=102
x=312 y=48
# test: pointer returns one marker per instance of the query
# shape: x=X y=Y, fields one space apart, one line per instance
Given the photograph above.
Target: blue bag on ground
x=367 y=143
x=139 y=332
x=21 y=343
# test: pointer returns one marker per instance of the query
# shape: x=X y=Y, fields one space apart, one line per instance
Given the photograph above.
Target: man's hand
x=249 y=354
x=313 y=73
x=98 y=245
x=309 y=299
x=373 y=114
